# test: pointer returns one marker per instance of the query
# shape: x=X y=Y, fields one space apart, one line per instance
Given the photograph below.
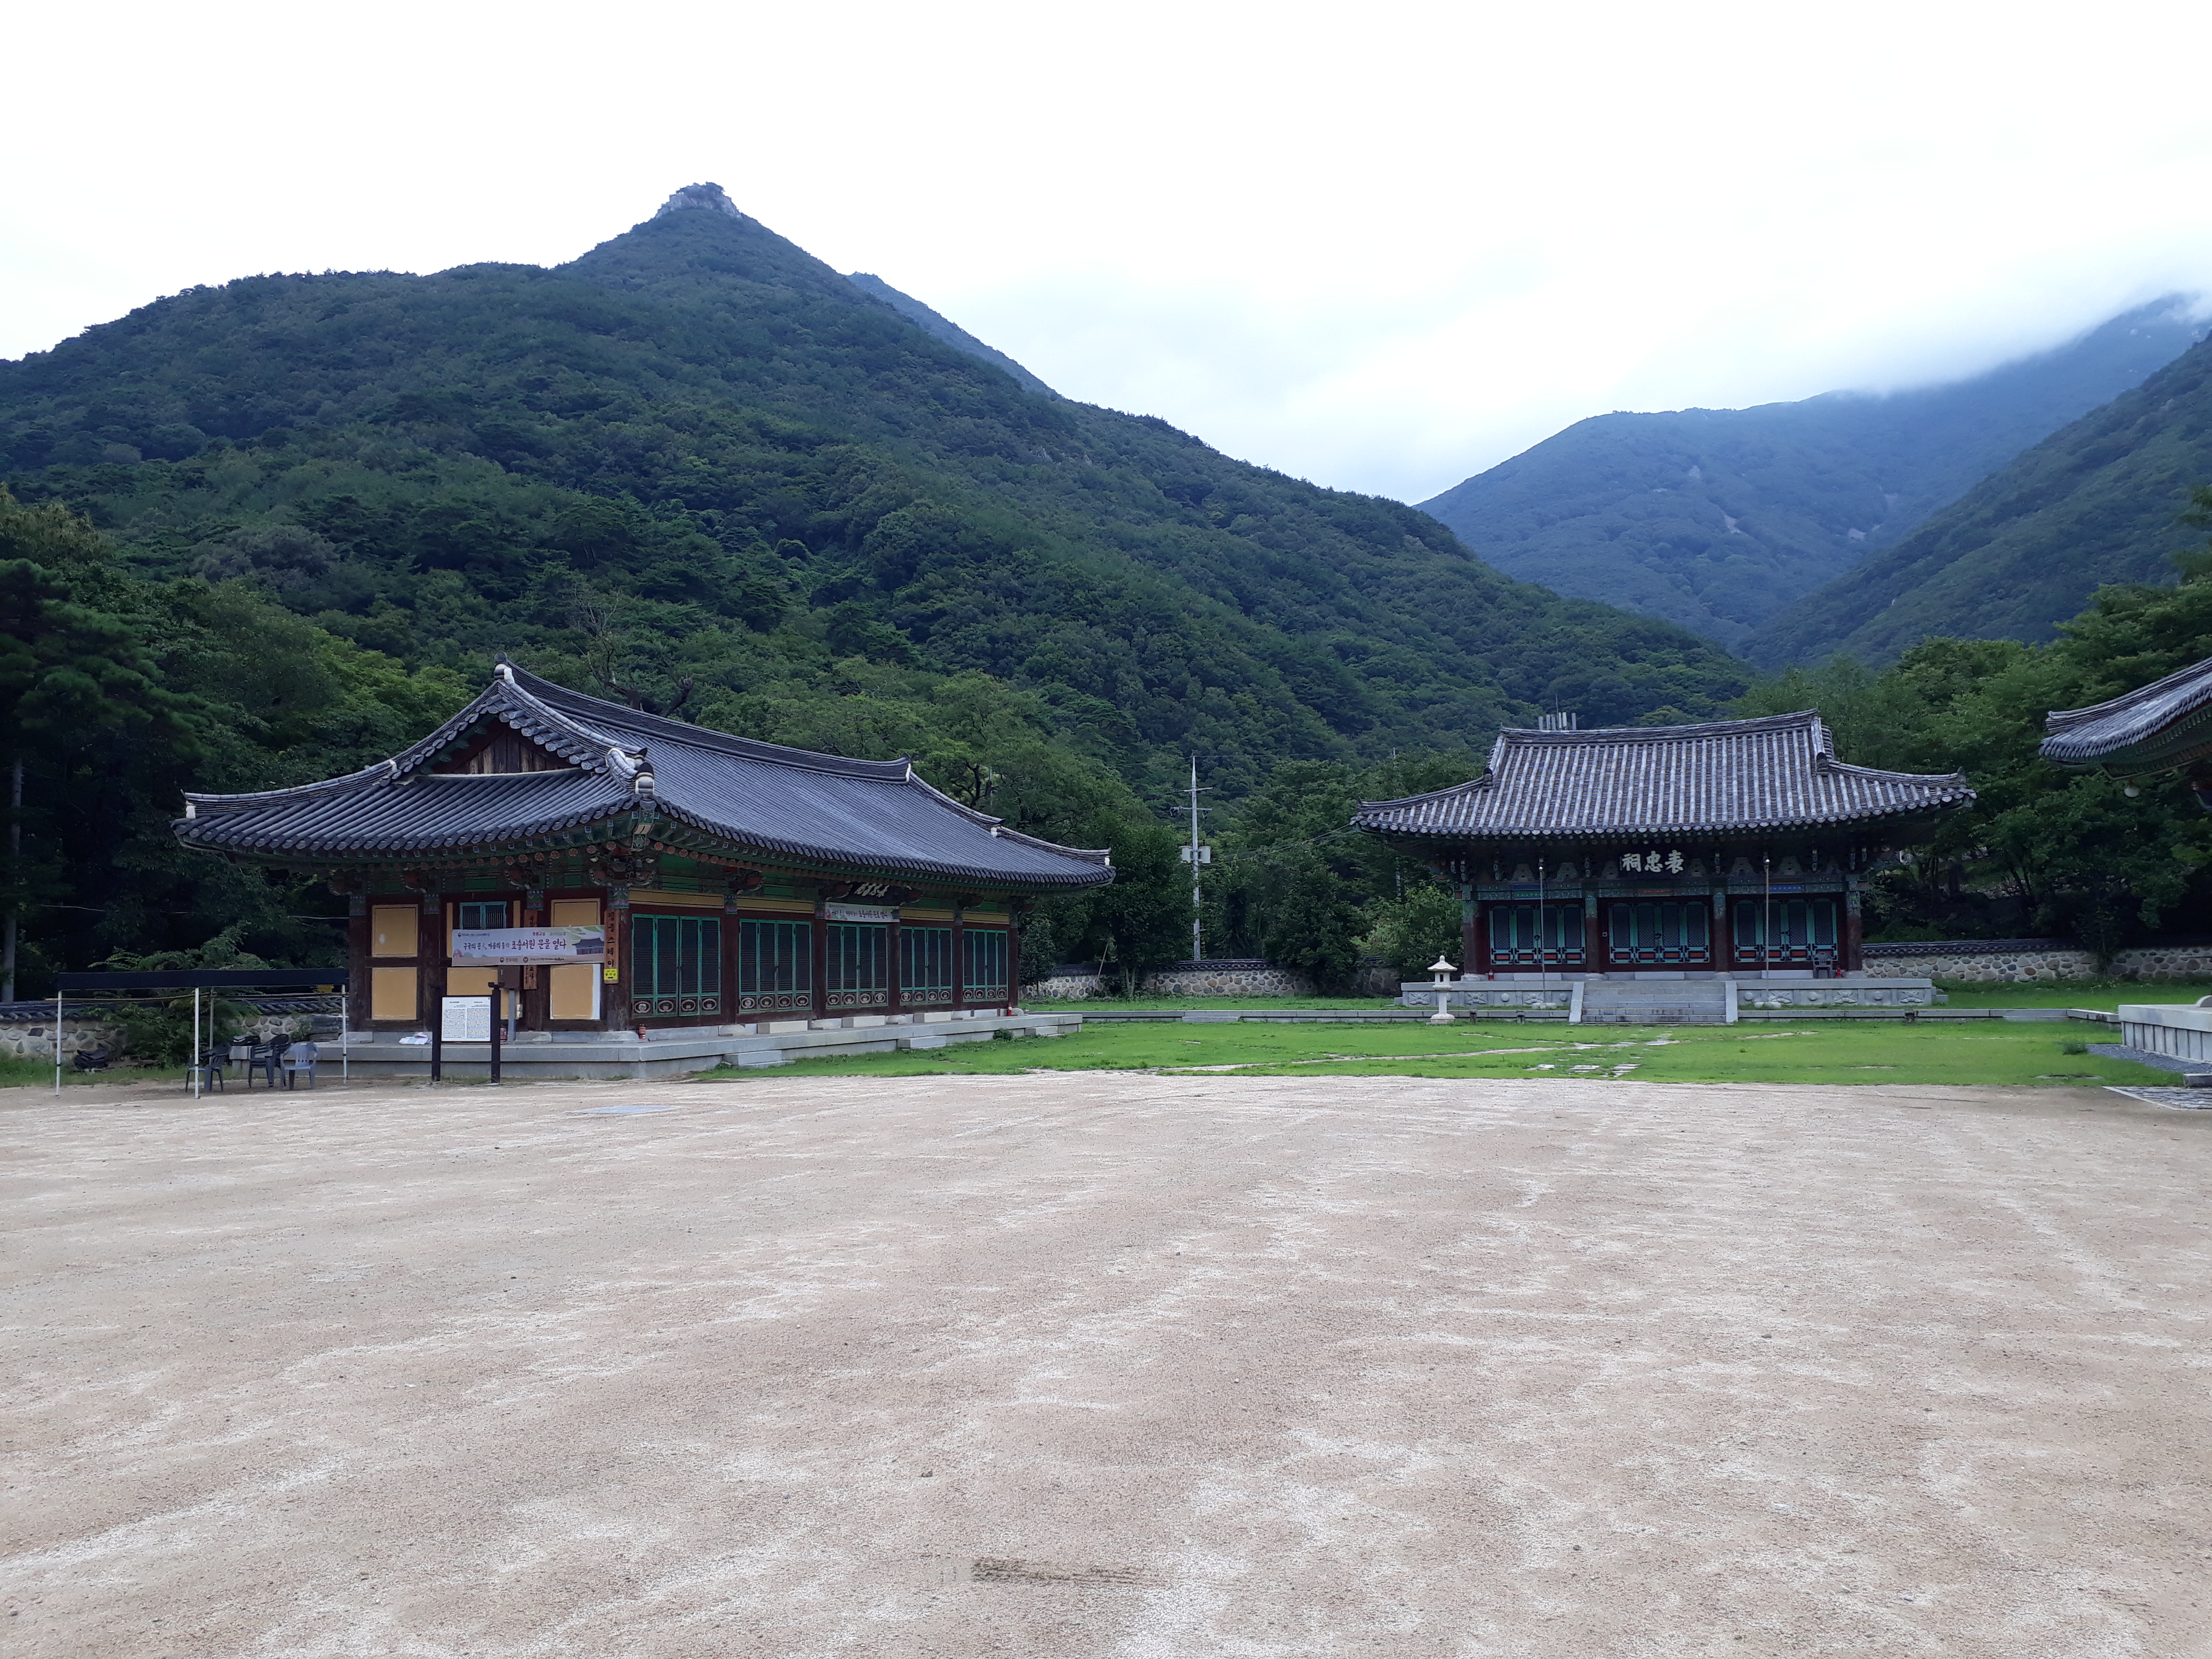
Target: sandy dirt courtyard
x=1046 y=1367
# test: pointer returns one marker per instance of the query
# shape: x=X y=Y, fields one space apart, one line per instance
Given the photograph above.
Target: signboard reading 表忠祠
x=530 y=945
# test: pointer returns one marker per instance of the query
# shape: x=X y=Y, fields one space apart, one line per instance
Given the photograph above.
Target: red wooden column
x=959 y=954
x=1593 y=957
x=1013 y=952
x=1854 y=954
x=1473 y=946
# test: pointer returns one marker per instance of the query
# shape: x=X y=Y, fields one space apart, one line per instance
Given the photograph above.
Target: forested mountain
x=1719 y=519
x=2041 y=850
x=2024 y=549
x=945 y=329
x=699 y=470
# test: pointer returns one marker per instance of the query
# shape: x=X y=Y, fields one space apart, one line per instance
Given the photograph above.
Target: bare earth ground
x=1054 y=1366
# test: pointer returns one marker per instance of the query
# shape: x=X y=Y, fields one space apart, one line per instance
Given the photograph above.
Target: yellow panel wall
x=392 y=994
x=392 y=933
x=575 y=991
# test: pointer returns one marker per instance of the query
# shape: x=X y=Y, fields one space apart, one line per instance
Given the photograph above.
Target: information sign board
x=465 y=1019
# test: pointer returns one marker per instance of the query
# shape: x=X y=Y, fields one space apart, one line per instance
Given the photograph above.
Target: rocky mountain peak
x=708 y=198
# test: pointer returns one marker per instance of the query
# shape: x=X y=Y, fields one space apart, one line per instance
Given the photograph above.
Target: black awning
x=191 y=978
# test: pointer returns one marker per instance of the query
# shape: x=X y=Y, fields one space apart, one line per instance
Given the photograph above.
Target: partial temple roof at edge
x=2166 y=723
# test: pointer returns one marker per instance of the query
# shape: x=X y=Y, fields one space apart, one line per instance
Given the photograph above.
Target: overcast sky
x=1380 y=247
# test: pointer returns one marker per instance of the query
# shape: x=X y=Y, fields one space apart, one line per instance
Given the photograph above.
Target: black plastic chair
x=210 y=1067
x=252 y=1057
x=94 y=1059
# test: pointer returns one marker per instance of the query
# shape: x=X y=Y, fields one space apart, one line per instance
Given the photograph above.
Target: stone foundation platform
x=535 y=1056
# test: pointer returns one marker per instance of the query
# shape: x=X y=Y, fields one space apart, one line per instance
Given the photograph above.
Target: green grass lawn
x=2105 y=994
x=1109 y=1005
x=1992 y=1053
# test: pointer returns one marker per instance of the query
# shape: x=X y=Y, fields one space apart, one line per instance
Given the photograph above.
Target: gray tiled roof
x=1778 y=772
x=2166 y=723
x=874 y=816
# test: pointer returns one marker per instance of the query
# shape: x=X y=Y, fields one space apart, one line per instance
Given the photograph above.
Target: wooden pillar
x=536 y=1012
x=614 y=996
x=1723 y=941
x=1013 y=953
x=1854 y=955
x=1593 y=957
x=360 y=982
x=730 y=1014
x=896 y=950
x=819 y=990
x=959 y=954
x=430 y=958
x=1473 y=939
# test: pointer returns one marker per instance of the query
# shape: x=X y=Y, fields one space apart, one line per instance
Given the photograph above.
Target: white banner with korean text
x=496 y=945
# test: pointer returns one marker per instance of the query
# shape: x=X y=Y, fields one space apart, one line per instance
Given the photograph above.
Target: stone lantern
x=1443 y=970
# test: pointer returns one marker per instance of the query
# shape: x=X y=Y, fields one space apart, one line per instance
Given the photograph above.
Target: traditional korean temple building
x=738 y=883
x=1730 y=849
x=2163 y=727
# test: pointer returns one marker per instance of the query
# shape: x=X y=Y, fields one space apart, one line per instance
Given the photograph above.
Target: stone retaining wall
x=23 y=1040
x=1064 y=985
x=1229 y=977
x=2025 y=961
x=1224 y=979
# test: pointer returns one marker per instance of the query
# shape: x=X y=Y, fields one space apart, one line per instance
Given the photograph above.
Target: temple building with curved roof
x=702 y=880
x=1732 y=846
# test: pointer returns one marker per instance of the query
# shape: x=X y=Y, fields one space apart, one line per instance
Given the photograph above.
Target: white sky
x=1381 y=246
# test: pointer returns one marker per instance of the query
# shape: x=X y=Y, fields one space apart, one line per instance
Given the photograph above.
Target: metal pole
x=345 y=1033
x=438 y=1043
x=1197 y=944
x=194 y=1065
x=57 y=1040
x=491 y=1008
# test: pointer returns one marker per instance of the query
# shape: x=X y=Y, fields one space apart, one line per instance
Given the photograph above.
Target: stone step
x=1661 y=1002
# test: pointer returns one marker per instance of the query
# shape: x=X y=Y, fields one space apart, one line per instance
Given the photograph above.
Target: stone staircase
x=1655 y=1002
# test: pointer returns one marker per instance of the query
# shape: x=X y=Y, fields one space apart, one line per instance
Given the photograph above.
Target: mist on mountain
x=1719 y=520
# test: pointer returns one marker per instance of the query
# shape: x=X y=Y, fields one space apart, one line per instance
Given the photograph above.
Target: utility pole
x=1197 y=944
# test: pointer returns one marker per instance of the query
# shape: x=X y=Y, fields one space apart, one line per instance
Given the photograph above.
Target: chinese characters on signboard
x=1654 y=863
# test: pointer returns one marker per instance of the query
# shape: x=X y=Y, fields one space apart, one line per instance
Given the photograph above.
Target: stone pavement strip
x=1048 y=1367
